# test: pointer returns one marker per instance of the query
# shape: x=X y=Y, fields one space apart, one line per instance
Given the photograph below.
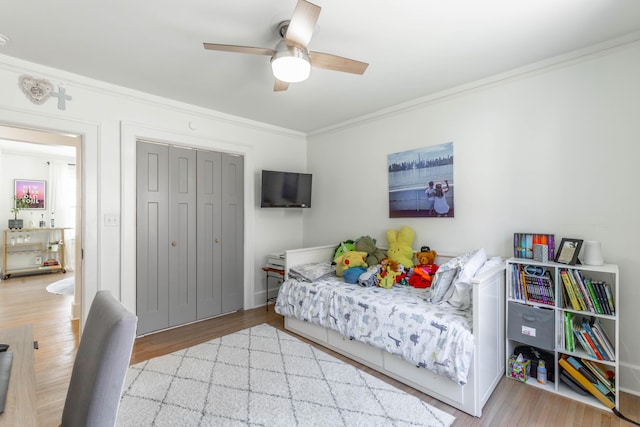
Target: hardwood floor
x=25 y=300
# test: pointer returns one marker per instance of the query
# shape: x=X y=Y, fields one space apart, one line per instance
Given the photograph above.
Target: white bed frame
x=488 y=365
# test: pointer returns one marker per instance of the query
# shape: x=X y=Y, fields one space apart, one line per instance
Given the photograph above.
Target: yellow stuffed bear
x=348 y=260
x=400 y=242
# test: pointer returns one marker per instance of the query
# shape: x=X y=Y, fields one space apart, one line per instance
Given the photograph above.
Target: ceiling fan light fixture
x=290 y=64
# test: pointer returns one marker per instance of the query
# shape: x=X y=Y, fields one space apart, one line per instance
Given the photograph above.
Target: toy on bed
x=345 y=246
x=400 y=242
x=391 y=273
x=369 y=278
x=368 y=244
x=349 y=260
x=425 y=269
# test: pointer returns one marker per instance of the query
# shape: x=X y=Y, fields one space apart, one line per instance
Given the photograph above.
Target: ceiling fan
x=291 y=62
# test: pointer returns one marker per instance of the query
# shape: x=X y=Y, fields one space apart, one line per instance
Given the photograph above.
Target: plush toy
x=402 y=277
x=368 y=244
x=348 y=260
x=400 y=242
x=427 y=257
x=370 y=277
x=351 y=275
x=346 y=246
x=425 y=270
x=387 y=279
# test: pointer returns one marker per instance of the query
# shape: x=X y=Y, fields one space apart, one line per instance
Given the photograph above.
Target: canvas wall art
x=421 y=182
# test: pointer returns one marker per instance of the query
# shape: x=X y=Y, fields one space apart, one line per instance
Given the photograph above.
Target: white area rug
x=262 y=376
x=62 y=287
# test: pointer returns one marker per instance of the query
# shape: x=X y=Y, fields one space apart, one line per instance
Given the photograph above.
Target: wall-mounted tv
x=285 y=189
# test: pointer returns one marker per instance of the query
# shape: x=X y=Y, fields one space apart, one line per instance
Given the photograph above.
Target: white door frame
x=89 y=231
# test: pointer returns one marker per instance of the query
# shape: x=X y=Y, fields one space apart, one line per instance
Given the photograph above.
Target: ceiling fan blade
x=302 y=24
x=280 y=86
x=337 y=63
x=239 y=49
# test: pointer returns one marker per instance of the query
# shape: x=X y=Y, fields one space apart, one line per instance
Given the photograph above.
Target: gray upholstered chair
x=101 y=364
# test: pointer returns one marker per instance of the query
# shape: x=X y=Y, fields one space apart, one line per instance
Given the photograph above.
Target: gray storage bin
x=531 y=325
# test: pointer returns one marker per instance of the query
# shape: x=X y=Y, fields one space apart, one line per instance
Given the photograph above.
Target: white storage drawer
x=532 y=325
x=355 y=348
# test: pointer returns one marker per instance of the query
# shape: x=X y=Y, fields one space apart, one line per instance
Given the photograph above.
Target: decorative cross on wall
x=62 y=97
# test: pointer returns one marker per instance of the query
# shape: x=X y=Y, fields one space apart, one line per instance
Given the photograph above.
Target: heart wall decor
x=36 y=90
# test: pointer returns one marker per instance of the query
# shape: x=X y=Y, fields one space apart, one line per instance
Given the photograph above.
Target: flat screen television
x=285 y=189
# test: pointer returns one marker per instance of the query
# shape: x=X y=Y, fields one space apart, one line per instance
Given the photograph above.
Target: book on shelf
x=573 y=299
x=603 y=338
x=588 y=380
x=592 y=338
x=569 y=343
x=523 y=244
x=604 y=375
x=584 y=294
x=609 y=294
x=536 y=287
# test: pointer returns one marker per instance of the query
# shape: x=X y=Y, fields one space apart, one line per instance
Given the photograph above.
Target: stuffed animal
x=348 y=260
x=425 y=270
x=351 y=275
x=400 y=242
x=368 y=244
x=347 y=245
x=370 y=277
x=387 y=279
x=426 y=258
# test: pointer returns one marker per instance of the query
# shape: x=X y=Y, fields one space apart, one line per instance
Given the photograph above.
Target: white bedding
x=399 y=320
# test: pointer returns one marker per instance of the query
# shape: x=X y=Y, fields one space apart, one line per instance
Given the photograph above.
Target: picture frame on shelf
x=568 y=251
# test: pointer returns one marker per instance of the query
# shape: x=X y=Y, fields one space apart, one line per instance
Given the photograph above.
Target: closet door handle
x=217 y=240
x=174 y=244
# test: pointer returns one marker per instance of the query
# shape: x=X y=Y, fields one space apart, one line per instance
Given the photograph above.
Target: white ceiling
x=414 y=47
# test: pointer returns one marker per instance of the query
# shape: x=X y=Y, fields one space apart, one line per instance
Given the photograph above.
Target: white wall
x=552 y=151
x=113 y=117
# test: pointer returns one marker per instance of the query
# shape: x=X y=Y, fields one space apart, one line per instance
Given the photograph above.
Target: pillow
x=443 y=285
x=488 y=265
x=312 y=271
x=461 y=295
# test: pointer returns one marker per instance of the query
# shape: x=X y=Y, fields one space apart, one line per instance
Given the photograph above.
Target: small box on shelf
x=519 y=368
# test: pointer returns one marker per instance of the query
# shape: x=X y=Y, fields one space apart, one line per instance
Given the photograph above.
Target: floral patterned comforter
x=398 y=320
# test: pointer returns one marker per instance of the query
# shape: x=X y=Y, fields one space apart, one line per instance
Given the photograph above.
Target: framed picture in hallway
x=31 y=191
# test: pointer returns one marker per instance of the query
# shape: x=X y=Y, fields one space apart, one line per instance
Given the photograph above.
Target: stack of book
x=591 y=377
x=523 y=245
x=537 y=287
x=276 y=261
x=584 y=294
x=590 y=336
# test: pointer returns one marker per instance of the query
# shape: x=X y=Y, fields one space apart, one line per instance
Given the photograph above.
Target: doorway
x=56 y=159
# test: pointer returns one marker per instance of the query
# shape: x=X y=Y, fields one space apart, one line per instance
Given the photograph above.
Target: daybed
x=362 y=324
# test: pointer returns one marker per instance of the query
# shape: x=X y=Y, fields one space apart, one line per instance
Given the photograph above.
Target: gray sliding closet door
x=190 y=235
x=232 y=232
x=182 y=235
x=152 y=236
x=209 y=234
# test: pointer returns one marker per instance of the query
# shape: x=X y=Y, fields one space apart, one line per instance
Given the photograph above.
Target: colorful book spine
x=569 y=288
x=609 y=293
x=593 y=341
x=594 y=297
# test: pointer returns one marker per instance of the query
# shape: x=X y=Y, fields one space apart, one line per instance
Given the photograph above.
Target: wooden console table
x=20 y=408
